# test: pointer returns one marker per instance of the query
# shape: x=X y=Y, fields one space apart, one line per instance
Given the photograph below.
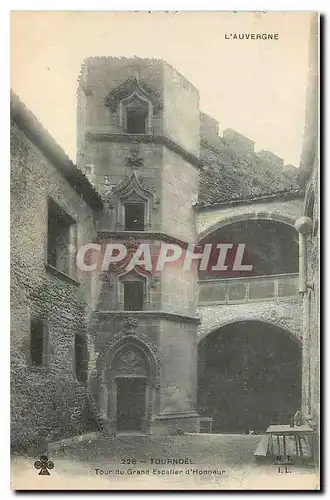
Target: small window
x=310 y=214
x=80 y=349
x=37 y=343
x=136 y=121
x=135 y=114
x=61 y=239
x=133 y=295
x=134 y=217
x=310 y=207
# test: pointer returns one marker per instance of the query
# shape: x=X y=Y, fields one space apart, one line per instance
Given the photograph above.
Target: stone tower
x=138 y=135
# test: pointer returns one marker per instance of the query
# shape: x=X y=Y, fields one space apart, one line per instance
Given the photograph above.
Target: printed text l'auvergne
x=252 y=36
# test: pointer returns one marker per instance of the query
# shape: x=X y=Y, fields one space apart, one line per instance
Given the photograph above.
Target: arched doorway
x=130 y=381
x=249 y=377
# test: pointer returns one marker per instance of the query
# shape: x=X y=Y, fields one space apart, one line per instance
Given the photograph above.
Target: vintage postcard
x=164 y=250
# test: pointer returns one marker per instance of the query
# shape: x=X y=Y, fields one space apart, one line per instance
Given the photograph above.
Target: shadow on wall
x=270 y=247
x=249 y=376
x=47 y=407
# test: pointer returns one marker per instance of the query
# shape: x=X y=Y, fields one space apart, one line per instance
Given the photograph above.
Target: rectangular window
x=136 y=121
x=133 y=295
x=81 y=362
x=134 y=217
x=61 y=239
x=37 y=342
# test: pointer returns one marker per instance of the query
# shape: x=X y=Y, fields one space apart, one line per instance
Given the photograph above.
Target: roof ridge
x=41 y=138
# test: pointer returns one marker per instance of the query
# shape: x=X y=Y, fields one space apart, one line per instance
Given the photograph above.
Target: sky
x=256 y=87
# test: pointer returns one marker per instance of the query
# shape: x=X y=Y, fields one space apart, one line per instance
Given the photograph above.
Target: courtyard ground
x=210 y=461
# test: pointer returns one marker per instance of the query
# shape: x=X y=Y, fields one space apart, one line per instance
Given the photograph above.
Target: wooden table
x=285 y=430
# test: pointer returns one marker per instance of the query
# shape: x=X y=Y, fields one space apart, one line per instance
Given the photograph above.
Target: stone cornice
x=146 y=139
x=287 y=195
x=185 y=318
x=140 y=235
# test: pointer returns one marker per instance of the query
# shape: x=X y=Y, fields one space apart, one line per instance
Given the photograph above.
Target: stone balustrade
x=251 y=289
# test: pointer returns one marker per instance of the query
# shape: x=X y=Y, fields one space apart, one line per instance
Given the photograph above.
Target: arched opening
x=271 y=247
x=249 y=376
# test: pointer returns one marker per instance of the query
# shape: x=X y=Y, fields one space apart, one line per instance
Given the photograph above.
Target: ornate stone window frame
x=129 y=89
x=124 y=104
x=132 y=190
x=133 y=275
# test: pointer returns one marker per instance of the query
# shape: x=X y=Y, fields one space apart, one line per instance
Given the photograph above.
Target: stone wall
x=309 y=179
x=311 y=303
x=178 y=289
x=178 y=348
x=36 y=292
x=181 y=110
x=179 y=192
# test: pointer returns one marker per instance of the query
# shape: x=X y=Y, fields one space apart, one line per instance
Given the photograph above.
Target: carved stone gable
x=110 y=348
x=131 y=362
x=130 y=184
x=131 y=189
x=130 y=86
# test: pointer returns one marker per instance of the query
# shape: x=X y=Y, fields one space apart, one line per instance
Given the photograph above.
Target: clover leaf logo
x=44 y=464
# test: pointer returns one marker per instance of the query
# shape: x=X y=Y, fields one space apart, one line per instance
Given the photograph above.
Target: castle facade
x=140 y=350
